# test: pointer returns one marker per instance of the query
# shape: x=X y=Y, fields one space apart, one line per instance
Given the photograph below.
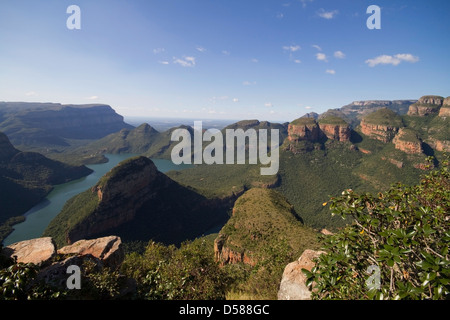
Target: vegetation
x=402 y=232
x=385 y=117
x=265 y=228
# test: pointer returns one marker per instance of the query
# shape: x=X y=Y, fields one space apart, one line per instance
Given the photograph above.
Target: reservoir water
x=38 y=218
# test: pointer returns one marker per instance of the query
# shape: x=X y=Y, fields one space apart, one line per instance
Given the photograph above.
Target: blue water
x=38 y=218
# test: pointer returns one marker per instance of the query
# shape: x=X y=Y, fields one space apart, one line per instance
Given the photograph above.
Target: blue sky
x=225 y=59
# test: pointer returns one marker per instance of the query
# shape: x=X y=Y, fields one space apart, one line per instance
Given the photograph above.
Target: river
x=38 y=217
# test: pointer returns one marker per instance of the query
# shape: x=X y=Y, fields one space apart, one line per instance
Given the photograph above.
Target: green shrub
x=404 y=232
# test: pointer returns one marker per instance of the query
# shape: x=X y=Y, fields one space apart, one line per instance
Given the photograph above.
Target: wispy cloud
x=248 y=83
x=268 y=105
x=339 y=55
x=321 y=57
x=201 y=49
x=305 y=2
x=235 y=100
x=158 y=50
x=327 y=14
x=163 y=62
x=185 y=62
x=292 y=48
x=31 y=94
x=297 y=61
x=225 y=52
x=254 y=60
x=308 y=107
x=317 y=47
x=393 y=60
x=330 y=71
x=280 y=16
x=92 y=98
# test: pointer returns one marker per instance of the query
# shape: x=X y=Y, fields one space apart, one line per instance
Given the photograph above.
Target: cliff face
x=425 y=106
x=49 y=124
x=445 y=109
x=336 y=132
x=382 y=125
x=408 y=141
x=137 y=202
x=304 y=129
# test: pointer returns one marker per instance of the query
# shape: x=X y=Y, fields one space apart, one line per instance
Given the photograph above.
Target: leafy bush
x=403 y=232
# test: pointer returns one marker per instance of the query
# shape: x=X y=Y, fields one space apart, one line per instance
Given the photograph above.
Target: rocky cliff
x=426 y=105
x=137 y=202
x=408 y=141
x=47 y=124
x=335 y=128
x=382 y=125
x=304 y=129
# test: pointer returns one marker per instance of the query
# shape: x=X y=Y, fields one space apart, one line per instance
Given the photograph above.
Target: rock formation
x=425 y=106
x=137 y=202
x=408 y=141
x=41 y=124
x=335 y=128
x=445 y=109
x=37 y=251
x=293 y=283
x=304 y=129
x=382 y=125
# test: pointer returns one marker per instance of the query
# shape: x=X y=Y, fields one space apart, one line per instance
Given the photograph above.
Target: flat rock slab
x=37 y=251
x=107 y=249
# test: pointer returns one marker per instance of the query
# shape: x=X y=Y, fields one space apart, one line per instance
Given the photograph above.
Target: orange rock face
x=225 y=255
x=336 y=132
x=379 y=132
x=304 y=132
x=410 y=146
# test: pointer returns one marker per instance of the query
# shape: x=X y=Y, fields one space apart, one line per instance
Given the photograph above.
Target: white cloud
x=272 y=112
x=321 y=57
x=254 y=60
x=280 y=16
x=225 y=52
x=330 y=71
x=292 y=48
x=297 y=61
x=317 y=47
x=339 y=55
x=393 y=60
x=248 y=83
x=158 y=50
x=163 y=62
x=268 y=105
x=31 y=94
x=308 y=107
x=327 y=14
x=235 y=100
x=92 y=98
x=201 y=49
x=305 y=2
x=185 y=62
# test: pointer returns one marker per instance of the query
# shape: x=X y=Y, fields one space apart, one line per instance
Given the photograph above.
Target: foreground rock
x=293 y=283
x=107 y=249
x=37 y=251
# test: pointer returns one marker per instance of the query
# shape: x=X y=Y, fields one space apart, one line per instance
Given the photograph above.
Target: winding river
x=38 y=217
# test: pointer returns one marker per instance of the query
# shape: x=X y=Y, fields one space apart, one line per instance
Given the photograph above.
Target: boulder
x=37 y=251
x=108 y=249
x=293 y=283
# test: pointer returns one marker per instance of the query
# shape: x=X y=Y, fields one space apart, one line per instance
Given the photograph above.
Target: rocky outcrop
x=107 y=249
x=383 y=133
x=293 y=283
x=37 y=251
x=425 y=106
x=445 y=109
x=382 y=125
x=338 y=132
x=224 y=255
x=304 y=129
x=408 y=141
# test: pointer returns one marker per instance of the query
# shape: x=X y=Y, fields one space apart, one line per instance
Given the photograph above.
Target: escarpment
x=137 y=202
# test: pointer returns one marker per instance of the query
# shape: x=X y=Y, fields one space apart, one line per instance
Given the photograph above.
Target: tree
x=402 y=233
